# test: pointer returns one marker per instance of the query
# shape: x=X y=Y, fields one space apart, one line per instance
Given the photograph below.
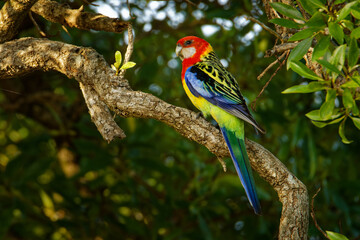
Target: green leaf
x=356 y=79
x=355 y=110
x=335 y=236
x=327 y=107
x=113 y=67
x=308 y=88
x=116 y=65
x=323 y=124
x=355 y=33
x=319 y=4
x=345 y=11
x=317 y=20
x=315 y=115
x=353 y=55
x=347 y=98
x=128 y=65
x=346 y=141
x=329 y=66
x=338 y=2
x=347 y=24
x=321 y=48
x=355 y=12
x=303 y=71
x=118 y=57
x=299 y=51
x=338 y=58
x=287 y=10
x=356 y=122
x=308 y=32
x=350 y=84
x=336 y=32
x=285 y=23
x=308 y=6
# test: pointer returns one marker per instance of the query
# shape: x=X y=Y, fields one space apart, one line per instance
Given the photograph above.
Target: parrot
x=214 y=91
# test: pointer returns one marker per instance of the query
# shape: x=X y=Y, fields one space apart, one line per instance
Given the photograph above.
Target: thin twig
x=87 y=2
x=280 y=48
x=190 y=2
x=270 y=66
x=10 y=91
x=253 y=104
x=36 y=25
x=128 y=5
x=313 y=214
x=129 y=49
x=264 y=26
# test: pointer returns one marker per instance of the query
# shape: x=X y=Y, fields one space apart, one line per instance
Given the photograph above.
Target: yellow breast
x=199 y=102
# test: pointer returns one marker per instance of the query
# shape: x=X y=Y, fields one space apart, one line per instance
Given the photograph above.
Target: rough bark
x=12 y=15
x=63 y=14
x=99 y=82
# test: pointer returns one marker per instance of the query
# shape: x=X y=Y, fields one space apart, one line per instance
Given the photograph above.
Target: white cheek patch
x=188 y=52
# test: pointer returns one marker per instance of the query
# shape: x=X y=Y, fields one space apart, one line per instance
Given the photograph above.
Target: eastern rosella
x=215 y=92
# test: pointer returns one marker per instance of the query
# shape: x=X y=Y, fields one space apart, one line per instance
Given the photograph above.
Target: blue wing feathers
x=201 y=84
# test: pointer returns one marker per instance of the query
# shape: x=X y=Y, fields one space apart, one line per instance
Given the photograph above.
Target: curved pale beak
x=178 y=52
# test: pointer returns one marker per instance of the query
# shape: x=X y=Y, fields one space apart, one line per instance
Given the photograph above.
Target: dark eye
x=188 y=42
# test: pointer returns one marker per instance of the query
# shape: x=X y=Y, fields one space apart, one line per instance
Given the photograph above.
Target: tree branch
x=90 y=69
x=12 y=15
x=63 y=14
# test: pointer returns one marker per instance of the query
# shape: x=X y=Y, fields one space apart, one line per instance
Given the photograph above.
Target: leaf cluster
x=328 y=37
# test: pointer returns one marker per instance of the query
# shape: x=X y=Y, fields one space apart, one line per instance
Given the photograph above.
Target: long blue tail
x=241 y=162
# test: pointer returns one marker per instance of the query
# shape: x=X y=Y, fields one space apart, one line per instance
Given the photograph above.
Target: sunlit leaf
x=355 y=12
x=303 y=71
x=356 y=122
x=287 y=10
x=335 y=236
x=336 y=32
x=118 y=57
x=315 y=115
x=350 y=84
x=308 y=88
x=347 y=98
x=128 y=65
x=345 y=11
x=355 y=79
x=342 y=132
x=355 y=33
x=327 y=107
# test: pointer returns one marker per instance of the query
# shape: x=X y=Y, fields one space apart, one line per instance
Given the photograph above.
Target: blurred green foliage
x=60 y=180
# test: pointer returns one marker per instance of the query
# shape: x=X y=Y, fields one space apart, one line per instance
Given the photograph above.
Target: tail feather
x=241 y=161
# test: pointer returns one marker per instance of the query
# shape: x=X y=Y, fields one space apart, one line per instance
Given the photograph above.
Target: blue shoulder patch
x=195 y=85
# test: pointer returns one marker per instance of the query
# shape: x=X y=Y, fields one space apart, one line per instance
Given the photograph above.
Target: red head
x=190 y=49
